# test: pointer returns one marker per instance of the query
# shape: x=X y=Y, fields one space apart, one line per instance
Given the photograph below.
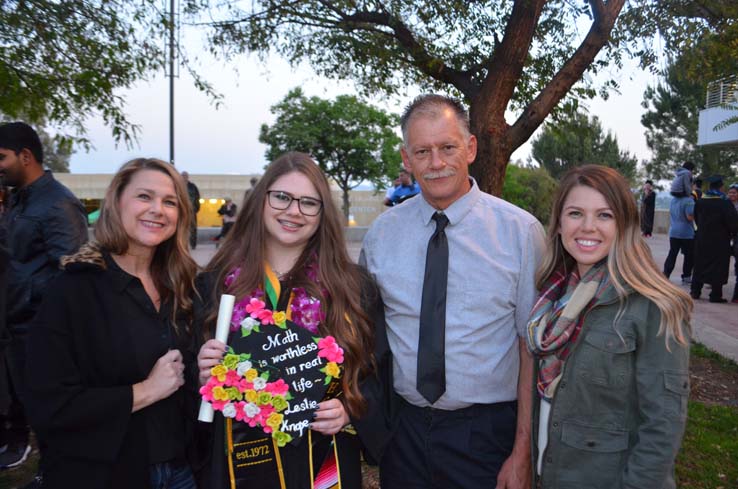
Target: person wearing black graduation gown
x=648 y=208
x=716 y=222
x=365 y=436
x=289 y=232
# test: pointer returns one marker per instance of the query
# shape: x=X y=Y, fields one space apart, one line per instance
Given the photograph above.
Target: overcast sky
x=225 y=141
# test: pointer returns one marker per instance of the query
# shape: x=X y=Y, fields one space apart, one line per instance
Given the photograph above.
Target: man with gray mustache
x=457 y=285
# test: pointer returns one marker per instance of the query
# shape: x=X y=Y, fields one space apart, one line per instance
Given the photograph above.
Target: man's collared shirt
x=494 y=249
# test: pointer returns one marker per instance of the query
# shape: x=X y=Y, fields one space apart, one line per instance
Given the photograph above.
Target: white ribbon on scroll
x=222 y=326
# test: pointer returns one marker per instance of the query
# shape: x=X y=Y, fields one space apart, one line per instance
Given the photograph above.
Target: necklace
x=280 y=275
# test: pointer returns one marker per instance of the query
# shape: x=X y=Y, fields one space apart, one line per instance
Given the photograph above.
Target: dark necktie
x=431 y=381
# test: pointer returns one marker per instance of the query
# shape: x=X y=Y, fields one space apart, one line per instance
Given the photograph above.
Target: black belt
x=466 y=412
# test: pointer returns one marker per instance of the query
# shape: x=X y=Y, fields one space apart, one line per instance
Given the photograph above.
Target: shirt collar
x=457 y=210
x=120 y=278
x=123 y=281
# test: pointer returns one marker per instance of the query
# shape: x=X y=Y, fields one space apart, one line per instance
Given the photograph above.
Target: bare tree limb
x=571 y=72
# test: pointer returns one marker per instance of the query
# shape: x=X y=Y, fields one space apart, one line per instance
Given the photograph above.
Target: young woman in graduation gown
x=112 y=374
x=287 y=249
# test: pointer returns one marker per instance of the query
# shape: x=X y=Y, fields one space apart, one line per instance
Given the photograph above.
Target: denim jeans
x=168 y=476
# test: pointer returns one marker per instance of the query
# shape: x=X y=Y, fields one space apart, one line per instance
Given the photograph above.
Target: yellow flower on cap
x=252 y=396
x=251 y=374
x=219 y=371
x=332 y=369
x=274 y=421
x=279 y=317
x=220 y=394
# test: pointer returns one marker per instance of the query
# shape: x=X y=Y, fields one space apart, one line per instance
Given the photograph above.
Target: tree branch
x=430 y=65
x=506 y=64
x=571 y=72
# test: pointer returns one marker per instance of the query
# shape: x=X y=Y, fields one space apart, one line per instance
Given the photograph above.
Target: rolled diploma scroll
x=222 y=326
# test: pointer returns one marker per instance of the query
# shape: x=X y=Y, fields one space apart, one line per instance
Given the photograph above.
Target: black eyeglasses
x=281 y=200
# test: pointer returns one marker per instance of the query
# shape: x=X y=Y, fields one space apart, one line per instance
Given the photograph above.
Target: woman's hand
x=165 y=378
x=211 y=354
x=330 y=417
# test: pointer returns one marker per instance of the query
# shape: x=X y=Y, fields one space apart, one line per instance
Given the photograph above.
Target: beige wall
x=365 y=206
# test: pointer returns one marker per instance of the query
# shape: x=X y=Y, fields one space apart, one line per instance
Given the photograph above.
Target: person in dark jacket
x=4 y=335
x=44 y=221
x=194 y=195
x=611 y=339
x=113 y=344
x=648 y=208
x=228 y=210
x=733 y=198
x=717 y=222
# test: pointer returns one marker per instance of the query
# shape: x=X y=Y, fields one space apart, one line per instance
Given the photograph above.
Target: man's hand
x=515 y=472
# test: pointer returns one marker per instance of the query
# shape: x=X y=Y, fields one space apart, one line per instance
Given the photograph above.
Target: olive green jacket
x=619 y=412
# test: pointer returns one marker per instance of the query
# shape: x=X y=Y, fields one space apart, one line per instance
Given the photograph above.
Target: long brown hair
x=245 y=247
x=629 y=260
x=172 y=268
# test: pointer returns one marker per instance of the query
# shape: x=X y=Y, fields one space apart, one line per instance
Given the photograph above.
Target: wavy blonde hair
x=172 y=269
x=340 y=279
x=629 y=261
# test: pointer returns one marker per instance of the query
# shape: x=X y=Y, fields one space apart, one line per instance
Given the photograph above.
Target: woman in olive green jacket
x=610 y=335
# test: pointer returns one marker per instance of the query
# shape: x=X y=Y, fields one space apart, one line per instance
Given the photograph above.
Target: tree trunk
x=346 y=205
x=490 y=166
x=493 y=147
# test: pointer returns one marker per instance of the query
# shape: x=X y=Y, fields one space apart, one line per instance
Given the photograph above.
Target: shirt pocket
x=594 y=439
x=606 y=358
x=676 y=395
x=588 y=456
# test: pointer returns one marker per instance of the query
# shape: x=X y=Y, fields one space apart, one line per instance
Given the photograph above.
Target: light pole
x=172 y=56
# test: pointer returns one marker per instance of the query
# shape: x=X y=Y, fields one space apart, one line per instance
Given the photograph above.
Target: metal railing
x=722 y=91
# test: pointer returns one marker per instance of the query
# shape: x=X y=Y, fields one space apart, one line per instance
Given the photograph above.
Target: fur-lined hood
x=90 y=255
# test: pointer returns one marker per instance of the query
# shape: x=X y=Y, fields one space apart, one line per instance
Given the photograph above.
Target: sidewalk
x=714 y=325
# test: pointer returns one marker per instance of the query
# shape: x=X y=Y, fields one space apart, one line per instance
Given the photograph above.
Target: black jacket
x=45 y=221
x=96 y=334
x=4 y=335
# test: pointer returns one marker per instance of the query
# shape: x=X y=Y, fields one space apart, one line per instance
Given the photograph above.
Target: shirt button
x=591 y=444
x=549 y=460
x=556 y=424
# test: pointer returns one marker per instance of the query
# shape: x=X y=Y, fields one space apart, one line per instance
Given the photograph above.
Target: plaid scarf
x=557 y=317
